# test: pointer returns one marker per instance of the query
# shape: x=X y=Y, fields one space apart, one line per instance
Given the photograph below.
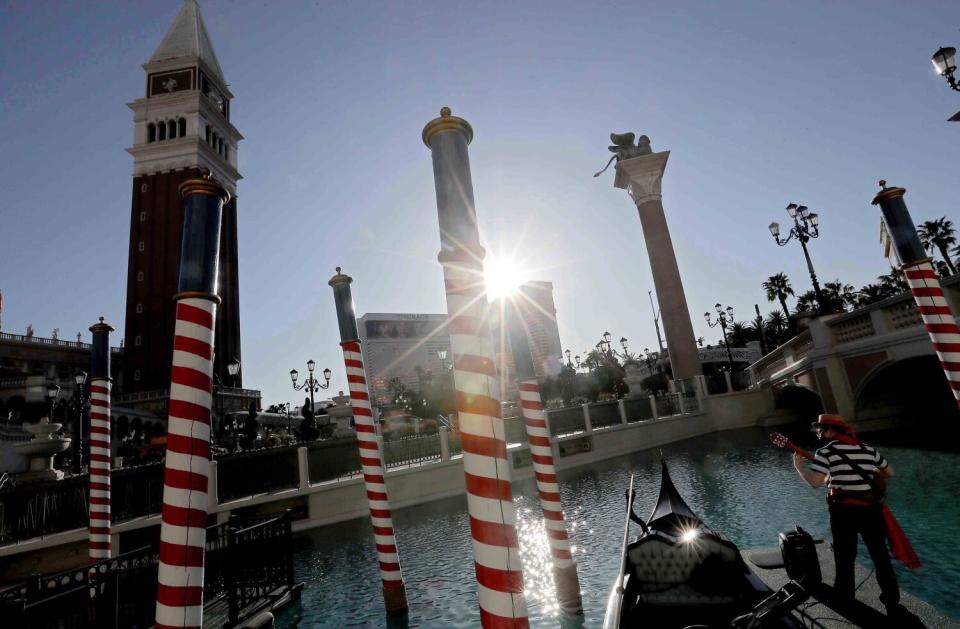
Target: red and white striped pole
x=100 y=459
x=371 y=458
x=541 y=452
x=183 y=518
x=485 y=465
x=916 y=266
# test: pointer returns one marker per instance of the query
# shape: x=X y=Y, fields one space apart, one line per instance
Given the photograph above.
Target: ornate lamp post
x=442 y=355
x=945 y=63
x=233 y=368
x=806 y=225
x=723 y=318
x=649 y=359
x=80 y=400
x=311 y=384
x=53 y=392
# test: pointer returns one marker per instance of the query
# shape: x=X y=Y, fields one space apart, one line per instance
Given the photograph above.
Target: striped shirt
x=839 y=474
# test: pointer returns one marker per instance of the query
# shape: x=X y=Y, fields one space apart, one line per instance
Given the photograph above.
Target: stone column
x=641 y=177
x=486 y=467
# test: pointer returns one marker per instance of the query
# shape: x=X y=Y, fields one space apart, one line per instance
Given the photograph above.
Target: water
x=736 y=481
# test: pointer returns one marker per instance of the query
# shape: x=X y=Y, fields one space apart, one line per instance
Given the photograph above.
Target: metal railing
x=333 y=459
x=564 y=421
x=245 y=561
x=257 y=472
x=668 y=405
x=411 y=449
x=604 y=414
x=638 y=409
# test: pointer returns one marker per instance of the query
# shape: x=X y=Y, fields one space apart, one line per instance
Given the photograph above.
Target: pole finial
x=445 y=112
x=338 y=269
x=883 y=184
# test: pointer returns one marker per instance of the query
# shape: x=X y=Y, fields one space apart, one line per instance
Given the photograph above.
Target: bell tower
x=181 y=128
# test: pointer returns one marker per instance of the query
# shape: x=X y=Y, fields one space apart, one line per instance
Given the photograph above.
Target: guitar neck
x=804 y=453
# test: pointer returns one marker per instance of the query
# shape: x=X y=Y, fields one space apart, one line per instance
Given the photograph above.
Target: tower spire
x=188 y=37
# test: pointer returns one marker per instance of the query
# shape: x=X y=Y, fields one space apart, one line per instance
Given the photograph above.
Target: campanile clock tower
x=181 y=127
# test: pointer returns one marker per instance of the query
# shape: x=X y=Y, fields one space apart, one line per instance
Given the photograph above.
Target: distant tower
x=181 y=127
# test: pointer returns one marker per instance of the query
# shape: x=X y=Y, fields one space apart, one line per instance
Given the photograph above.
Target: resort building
x=410 y=347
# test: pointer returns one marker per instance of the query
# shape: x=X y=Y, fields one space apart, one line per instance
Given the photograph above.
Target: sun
x=502 y=275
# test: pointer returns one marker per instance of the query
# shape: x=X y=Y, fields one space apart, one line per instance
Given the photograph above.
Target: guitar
x=878 y=484
x=900 y=546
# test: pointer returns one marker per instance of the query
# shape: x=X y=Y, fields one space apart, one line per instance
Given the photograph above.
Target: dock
x=818 y=615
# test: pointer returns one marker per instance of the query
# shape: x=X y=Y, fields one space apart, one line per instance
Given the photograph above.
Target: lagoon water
x=737 y=482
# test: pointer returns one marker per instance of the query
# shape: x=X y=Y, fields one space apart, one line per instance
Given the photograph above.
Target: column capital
x=641 y=176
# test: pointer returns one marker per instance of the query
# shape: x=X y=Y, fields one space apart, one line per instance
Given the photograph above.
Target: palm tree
x=807 y=302
x=778 y=287
x=840 y=294
x=777 y=326
x=893 y=283
x=871 y=293
x=938 y=234
x=738 y=334
x=756 y=330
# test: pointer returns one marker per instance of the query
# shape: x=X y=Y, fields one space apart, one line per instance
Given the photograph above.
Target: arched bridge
x=872 y=365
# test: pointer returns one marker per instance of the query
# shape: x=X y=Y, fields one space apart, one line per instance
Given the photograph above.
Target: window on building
x=161 y=132
x=143 y=187
x=151 y=132
x=207 y=133
x=136 y=374
x=143 y=215
x=140 y=246
x=181 y=127
x=226 y=151
x=171 y=129
x=139 y=308
x=139 y=276
x=136 y=340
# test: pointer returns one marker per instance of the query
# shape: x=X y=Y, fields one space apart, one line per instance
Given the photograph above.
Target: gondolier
x=855 y=474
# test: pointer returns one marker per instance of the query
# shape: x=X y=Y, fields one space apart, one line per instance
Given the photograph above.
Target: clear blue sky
x=760 y=103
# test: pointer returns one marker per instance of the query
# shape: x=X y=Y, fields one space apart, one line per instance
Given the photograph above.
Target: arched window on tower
x=172 y=129
x=151 y=132
x=206 y=129
x=213 y=140
x=181 y=127
x=161 y=132
x=226 y=151
x=220 y=146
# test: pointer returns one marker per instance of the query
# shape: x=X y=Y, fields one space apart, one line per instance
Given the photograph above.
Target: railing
x=638 y=409
x=564 y=421
x=604 y=414
x=41 y=509
x=245 y=562
x=689 y=403
x=854 y=328
x=136 y=491
x=257 y=472
x=741 y=380
x=411 y=449
x=333 y=459
x=668 y=405
x=39 y=340
x=515 y=429
x=716 y=383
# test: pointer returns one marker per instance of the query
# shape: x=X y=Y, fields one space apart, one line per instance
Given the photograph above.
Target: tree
x=778 y=287
x=870 y=294
x=893 y=282
x=777 y=327
x=838 y=296
x=738 y=334
x=806 y=302
x=938 y=234
x=756 y=329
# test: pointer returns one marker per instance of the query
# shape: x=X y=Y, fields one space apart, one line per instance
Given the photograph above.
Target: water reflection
x=737 y=482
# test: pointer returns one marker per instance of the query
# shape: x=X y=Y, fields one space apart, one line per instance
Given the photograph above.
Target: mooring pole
x=183 y=516
x=917 y=268
x=538 y=434
x=485 y=465
x=371 y=458
x=100 y=459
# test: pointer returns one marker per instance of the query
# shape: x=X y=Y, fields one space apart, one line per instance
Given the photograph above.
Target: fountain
x=41 y=449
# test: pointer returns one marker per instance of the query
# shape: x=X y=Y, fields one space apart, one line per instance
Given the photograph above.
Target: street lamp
x=233 y=368
x=723 y=318
x=311 y=384
x=53 y=391
x=442 y=355
x=81 y=400
x=945 y=63
x=806 y=225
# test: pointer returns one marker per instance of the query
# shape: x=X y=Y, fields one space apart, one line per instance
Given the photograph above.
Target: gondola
x=680 y=573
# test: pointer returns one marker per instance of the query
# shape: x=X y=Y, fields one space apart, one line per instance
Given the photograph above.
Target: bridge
x=874 y=365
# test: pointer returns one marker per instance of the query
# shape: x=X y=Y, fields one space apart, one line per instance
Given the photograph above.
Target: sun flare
x=502 y=275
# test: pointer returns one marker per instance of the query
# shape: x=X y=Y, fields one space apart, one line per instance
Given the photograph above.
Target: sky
x=761 y=104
